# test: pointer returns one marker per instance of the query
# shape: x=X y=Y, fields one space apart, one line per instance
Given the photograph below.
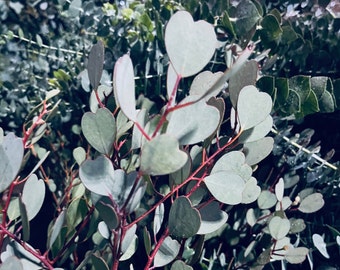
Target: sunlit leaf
x=190 y=45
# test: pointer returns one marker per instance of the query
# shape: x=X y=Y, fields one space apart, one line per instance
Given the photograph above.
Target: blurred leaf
x=167 y=252
x=180 y=265
x=79 y=155
x=11 y=156
x=124 y=87
x=99 y=130
x=162 y=156
x=190 y=45
x=247 y=16
x=271 y=30
x=98 y=263
x=184 y=220
x=24 y=221
x=11 y=263
x=312 y=203
x=296 y=255
x=226 y=186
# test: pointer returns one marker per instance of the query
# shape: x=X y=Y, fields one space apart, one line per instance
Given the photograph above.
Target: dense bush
x=161 y=165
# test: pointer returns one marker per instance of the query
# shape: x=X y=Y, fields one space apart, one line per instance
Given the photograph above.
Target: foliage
x=161 y=170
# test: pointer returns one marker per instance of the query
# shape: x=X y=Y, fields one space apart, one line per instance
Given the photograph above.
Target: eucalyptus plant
x=151 y=189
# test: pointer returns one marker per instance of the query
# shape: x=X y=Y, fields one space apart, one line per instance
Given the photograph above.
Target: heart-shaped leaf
x=167 y=252
x=99 y=130
x=312 y=203
x=95 y=64
x=226 y=186
x=184 y=220
x=11 y=156
x=251 y=191
x=296 y=255
x=233 y=161
x=193 y=123
x=24 y=221
x=266 y=199
x=33 y=195
x=203 y=81
x=253 y=107
x=258 y=150
x=279 y=227
x=162 y=156
x=190 y=45
x=212 y=218
x=257 y=132
x=98 y=175
x=124 y=87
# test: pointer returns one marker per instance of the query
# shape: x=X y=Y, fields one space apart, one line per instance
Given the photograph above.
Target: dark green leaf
x=247 y=16
x=98 y=263
x=212 y=218
x=24 y=221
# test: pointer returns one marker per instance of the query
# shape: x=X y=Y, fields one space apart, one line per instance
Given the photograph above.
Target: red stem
x=157 y=247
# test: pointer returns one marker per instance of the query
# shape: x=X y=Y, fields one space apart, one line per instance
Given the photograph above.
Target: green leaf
x=95 y=64
x=33 y=195
x=253 y=107
x=190 y=45
x=301 y=85
x=129 y=236
x=203 y=81
x=124 y=87
x=258 y=150
x=309 y=106
x=98 y=175
x=226 y=186
x=245 y=76
x=194 y=123
x=233 y=161
x=57 y=228
x=24 y=221
x=296 y=255
x=312 y=203
x=251 y=191
x=258 y=132
x=107 y=212
x=162 y=156
x=99 y=130
x=79 y=154
x=180 y=265
x=271 y=30
x=320 y=244
x=266 y=84
x=212 y=218
x=279 y=227
x=326 y=102
x=11 y=156
x=184 y=220
x=167 y=252
x=75 y=213
x=247 y=16
x=266 y=200
x=98 y=263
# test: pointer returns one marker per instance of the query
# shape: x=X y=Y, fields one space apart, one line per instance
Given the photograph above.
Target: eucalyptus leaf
x=296 y=255
x=162 y=156
x=58 y=224
x=167 y=252
x=158 y=218
x=11 y=156
x=279 y=188
x=124 y=87
x=212 y=218
x=11 y=263
x=312 y=203
x=253 y=107
x=203 y=81
x=226 y=186
x=107 y=213
x=33 y=195
x=100 y=130
x=180 y=265
x=184 y=220
x=297 y=225
x=182 y=34
x=95 y=62
x=247 y=16
x=258 y=150
x=24 y=221
x=257 y=132
x=193 y=123
x=251 y=191
x=98 y=263
x=79 y=154
x=266 y=199
x=320 y=244
x=279 y=227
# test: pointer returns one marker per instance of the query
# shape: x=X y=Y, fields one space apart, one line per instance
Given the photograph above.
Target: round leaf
x=226 y=187
x=258 y=132
x=279 y=227
x=97 y=175
x=99 y=130
x=184 y=220
x=124 y=87
x=258 y=150
x=203 y=81
x=190 y=45
x=266 y=200
x=253 y=107
x=212 y=218
x=162 y=156
x=312 y=203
